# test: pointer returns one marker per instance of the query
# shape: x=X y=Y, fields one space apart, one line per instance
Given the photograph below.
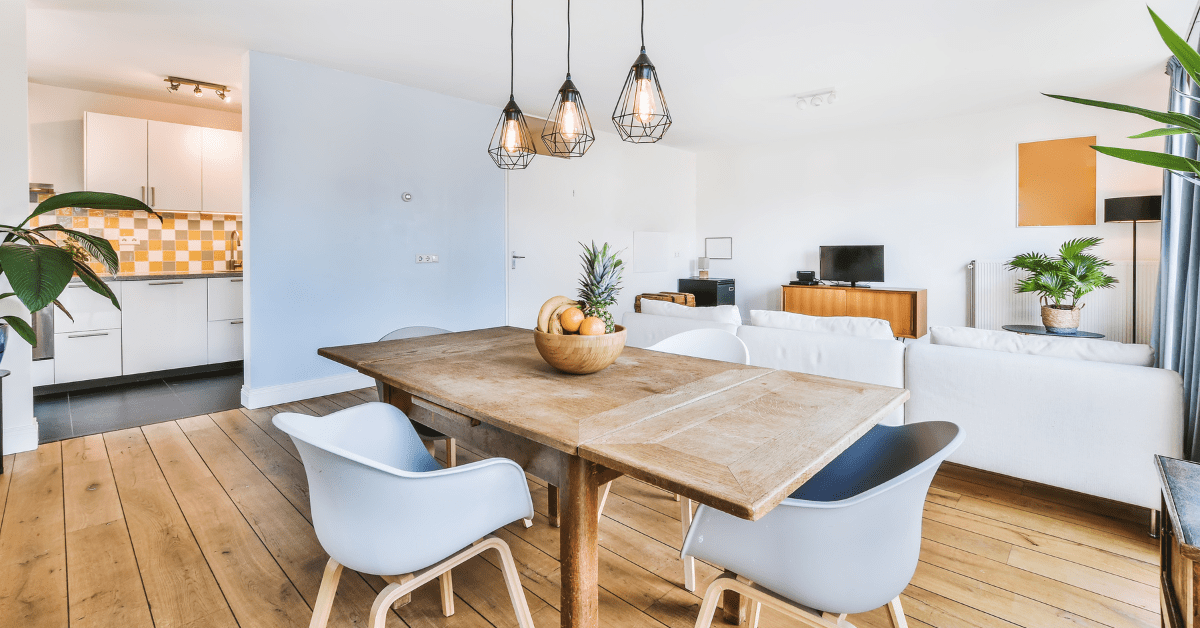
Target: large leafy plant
x=1067 y=277
x=39 y=266
x=1180 y=123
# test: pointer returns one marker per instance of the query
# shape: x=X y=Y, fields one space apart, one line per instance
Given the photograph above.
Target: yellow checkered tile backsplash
x=181 y=243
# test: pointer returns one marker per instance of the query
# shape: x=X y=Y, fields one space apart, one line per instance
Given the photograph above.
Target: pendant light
x=568 y=130
x=641 y=114
x=512 y=145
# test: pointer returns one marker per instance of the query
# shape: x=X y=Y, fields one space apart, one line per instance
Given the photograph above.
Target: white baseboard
x=255 y=398
x=23 y=438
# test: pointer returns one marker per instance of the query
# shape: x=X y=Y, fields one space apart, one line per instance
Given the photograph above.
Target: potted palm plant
x=1062 y=281
x=39 y=265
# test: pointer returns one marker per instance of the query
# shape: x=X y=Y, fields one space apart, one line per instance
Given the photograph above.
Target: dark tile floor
x=67 y=415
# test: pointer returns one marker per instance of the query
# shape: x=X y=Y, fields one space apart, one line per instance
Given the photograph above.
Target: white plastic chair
x=428 y=435
x=382 y=505
x=847 y=541
x=710 y=344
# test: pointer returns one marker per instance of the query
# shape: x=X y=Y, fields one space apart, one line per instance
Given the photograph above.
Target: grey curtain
x=1176 y=335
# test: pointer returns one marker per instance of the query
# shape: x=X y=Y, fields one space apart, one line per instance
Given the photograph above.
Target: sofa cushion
x=867 y=360
x=644 y=330
x=842 y=325
x=1070 y=348
x=718 y=314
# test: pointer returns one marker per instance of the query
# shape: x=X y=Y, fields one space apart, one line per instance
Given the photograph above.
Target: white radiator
x=1107 y=312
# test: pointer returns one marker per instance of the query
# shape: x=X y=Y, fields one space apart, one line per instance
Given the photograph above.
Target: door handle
x=102 y=333
x=164 y=283
x=516 y=257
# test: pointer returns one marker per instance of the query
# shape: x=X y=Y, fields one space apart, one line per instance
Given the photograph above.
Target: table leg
x=579 y=547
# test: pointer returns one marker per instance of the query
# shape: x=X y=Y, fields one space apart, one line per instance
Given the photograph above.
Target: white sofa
x=867 y=360
x=1088 y=426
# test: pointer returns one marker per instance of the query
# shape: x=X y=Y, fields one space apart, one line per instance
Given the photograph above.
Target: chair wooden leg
x=516 y=592
x=896 y=612
x=451 y=453
x=400 y=580
x=755 y=613
x=708 y=607
x=555 y=516
x=603 y=498
x=325 y=595
x=689 y=563
x=446 y=583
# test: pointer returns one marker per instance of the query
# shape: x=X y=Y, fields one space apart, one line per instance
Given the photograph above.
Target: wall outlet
x=427 y=259
x=130 y=240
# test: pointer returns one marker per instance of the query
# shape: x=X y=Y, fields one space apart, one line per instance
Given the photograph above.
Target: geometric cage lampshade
x=512 y=145
x=641 y=115
x=568 y=129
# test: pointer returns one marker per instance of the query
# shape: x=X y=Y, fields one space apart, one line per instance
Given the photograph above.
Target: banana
x=543 y=324
x=555 y=325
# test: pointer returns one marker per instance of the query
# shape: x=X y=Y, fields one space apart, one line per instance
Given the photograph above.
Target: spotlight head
x=832 y=96
x=802 y=103
x=224 y=96
x=197 y=92
x=173 y=87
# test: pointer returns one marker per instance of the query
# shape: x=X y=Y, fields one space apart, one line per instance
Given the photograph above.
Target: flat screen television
x=854 y=264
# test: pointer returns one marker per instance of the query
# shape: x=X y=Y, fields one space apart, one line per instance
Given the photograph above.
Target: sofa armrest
x=1091 y=427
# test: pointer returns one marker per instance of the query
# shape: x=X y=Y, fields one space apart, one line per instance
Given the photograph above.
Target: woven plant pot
x=1060 y=321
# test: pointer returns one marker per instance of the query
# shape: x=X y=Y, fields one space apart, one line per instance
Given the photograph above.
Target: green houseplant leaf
x=90 y=200
x=21 y=327
x=1069 y=276
x=38 y=272
x=97 y=247
x=93 y=281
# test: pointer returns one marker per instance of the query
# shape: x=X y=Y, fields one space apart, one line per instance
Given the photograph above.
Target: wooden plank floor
x=205 y=522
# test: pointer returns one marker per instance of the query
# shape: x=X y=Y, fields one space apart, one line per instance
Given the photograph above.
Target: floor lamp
x=1133 y=209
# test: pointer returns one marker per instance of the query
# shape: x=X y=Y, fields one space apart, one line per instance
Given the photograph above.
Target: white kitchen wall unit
x=165 y=324
x=224 y=319
x=224 y=341
x=224 y=298
x=87 y=355
x=222 y=171
x=91 y=311
x=173 y=167
x=114 y=155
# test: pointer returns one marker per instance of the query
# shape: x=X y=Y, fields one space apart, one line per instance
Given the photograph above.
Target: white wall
x=20 y=428
x=615 y=189
x=330 y=246
x=937 y=194
x=56 y=127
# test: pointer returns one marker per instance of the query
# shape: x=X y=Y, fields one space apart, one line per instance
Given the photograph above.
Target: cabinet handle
x=143 y=194
x=152 y=196
x=235 y=281
x=164 y=283
x=235 y=322
x=101 y=333
x=77 y=285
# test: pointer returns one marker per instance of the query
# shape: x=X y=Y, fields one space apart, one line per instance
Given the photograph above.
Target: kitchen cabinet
x=90 y=310
x=164 y=325
x=224 y=298
x=86 y=355
x=224 y=341
x=114 y=155
x=173 y=166
x=222 y=168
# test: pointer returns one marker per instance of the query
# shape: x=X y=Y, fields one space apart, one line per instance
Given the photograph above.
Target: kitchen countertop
x=165 y=275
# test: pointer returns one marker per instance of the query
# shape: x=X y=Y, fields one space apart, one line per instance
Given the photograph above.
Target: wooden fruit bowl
x=580 y=354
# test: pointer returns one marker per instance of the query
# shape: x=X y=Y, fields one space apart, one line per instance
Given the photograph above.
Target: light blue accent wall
x=330 y=246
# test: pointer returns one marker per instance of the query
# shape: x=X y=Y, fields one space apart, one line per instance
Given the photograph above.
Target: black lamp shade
x=1133 y=208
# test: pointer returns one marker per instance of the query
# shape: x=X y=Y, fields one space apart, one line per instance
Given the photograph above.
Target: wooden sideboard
x=904 y=308
x=1179 y=538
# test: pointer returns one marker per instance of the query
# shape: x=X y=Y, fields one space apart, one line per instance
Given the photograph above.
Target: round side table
x=1038 y=330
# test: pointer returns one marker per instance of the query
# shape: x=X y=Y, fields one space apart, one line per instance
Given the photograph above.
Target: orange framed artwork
x=1056 y=182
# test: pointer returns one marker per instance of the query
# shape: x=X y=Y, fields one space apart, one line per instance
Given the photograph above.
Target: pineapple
x=600 y=283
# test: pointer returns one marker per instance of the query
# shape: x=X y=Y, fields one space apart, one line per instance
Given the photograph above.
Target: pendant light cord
x=513 y=61
x=568 y=37
x=643 y=25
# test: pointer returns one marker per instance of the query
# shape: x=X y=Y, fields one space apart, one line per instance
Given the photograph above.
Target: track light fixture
x=222 y=91
x=816 y=99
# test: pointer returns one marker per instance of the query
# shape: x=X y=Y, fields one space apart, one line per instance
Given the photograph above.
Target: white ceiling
x=730 y=69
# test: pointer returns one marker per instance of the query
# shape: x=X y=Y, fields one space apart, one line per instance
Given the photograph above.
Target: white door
x=222 y=171
x=164 y=324
x=174 y=166
x=114 y=155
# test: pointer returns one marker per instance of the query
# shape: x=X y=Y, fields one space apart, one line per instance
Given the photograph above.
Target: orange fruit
x=591 y=326
x=570 y=319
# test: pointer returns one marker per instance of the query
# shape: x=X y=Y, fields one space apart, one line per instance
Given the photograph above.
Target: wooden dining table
x=734 y=437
